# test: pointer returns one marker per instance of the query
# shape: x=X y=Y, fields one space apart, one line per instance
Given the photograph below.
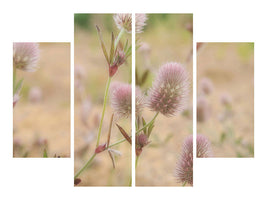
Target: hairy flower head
x=25 y=56
x=184 y=167
x=203 y=147
x=140 y=22
x=123 y=20
x=206 y=86
x=226 y=99
x=121 y=100
x=203 y=109
x=169 y=90
x=35 y=94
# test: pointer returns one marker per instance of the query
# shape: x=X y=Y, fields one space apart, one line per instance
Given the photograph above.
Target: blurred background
x=91 y=74
x=225 y=77
x=41 y=118
x=166 y=38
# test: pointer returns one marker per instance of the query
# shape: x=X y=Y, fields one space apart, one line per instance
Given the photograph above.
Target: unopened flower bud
x=100 y=148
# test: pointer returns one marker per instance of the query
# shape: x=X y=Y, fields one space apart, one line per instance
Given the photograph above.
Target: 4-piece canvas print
x=161 y=93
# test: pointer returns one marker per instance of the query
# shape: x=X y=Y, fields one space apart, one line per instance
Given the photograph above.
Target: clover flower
x=226 y=99
x=184 y=167
x=203 y=109
x=121 y=100
x=203 y=147
x=169 y=90
x=124 y=20
x=140 y=22
x=25 y=56
x=35 y=94
x=206 y=86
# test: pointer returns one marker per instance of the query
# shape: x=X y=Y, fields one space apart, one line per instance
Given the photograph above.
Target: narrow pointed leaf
x=18 y=86
x=125 y=135
x=128 y=52
x=125 y=46
x=102 y=44
x=144 y=77
x=144 y=123
x=150 y=128
x=45 y=154
x=111 y=54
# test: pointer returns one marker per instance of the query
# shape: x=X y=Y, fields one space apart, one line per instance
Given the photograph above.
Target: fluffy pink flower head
x=184 y=168
x=169 y=90
x=121 y=100
x=35 y=95
x=140 y=22
x=123 y=20
x=203 y=109
x=203 y=147
x=25 y=56
x=226 y=99
x=206 y=86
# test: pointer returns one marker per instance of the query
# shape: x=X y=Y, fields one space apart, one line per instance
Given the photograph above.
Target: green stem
x=116 y=143
x=103 y=111
x=148 y=123
x=85 y=166
x=136 y=162
x=14 y=78
x=93 y=156
x=184 y=184
x=118 y=38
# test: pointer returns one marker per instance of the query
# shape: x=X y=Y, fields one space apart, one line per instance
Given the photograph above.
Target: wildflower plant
x=167 y=96
x=120 y=94
x=25 y=58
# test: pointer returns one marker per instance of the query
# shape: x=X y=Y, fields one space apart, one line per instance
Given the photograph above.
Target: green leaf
x=111 y=55
x=45 y=154
x=125 y=46
x=150 y=128
x=144 y=123
x=102 y=44
x=18 y=86
x=128 y=52
x=125 y=135
x=144 y=77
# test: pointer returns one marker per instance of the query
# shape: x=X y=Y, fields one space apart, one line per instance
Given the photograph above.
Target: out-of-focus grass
x=230 y=66
x=48 y=119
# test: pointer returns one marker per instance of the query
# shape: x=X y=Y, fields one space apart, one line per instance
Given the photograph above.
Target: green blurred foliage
x=88 y=21
x=245 y=50
x=168 y=20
